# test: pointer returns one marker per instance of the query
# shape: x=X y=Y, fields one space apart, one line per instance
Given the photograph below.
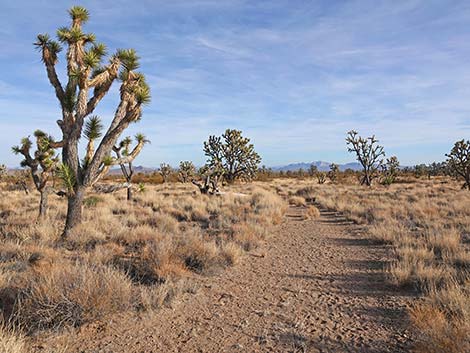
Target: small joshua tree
x=210 y=180
x=41 y=165
x=420 y=170
x=165 y=171
x=3 y=171
x=437 y=168
x=186 y=171
x=368 y=153
x=321 y=177
x=125 y=156
x=312 y=170
x=21 y=178
x=333 y=173
x=232 y=156
x=87 y=82
x=458 y=161
x=390 y=170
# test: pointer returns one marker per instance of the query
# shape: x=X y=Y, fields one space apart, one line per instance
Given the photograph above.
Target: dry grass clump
x=297 y=201
x=125 y=256
x=428 y=224
x=11 y=341
x=68 y=295
x=444 y=320
x=312 y=212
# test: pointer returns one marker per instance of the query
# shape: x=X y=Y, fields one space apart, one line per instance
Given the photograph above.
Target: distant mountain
x=137 y=169
x=321 y=165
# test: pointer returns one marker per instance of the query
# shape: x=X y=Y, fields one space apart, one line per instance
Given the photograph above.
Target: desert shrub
x=231 y=253
x=312 y=212
x=91 y=201
x=70 y=296
x=198 y=255
x=267 y=204
x=297 y=201
x=308 y=193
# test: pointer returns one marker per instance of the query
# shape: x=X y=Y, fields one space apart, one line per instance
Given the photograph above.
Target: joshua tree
x=458 y=161
x=88 y=81
x=186 y=171
x=210 y=180
x=125 y=156
x=21 y=179
x=321 y=177
x=437 y=168
x=3 y=171
x=333 y=173
x=165 y=171
x=390 y=170
x=41 y=165
x=420 y=170
x=232 y=156
x=312 y=170
x=368 y=153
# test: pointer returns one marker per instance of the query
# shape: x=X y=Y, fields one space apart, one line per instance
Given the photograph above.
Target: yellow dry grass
x=125 y=256
x=427 y=223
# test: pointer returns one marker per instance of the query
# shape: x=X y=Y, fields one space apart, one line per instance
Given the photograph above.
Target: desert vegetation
x=94 y=251
x=88 y=81
x=427 y=225
x=124 y=257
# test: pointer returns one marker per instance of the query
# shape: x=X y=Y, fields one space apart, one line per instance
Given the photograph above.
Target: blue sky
x=295 y=76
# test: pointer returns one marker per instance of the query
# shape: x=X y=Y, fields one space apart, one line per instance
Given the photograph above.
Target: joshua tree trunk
x=129 y=192
x=74 y=211
x=366 y=180
x=43 y=203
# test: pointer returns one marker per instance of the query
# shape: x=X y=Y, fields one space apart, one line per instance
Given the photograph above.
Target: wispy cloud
x=294 y=75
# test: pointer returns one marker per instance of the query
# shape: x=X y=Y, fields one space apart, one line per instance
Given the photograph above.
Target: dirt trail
x=319 y=288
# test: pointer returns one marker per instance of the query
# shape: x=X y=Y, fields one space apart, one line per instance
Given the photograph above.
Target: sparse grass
x=126 y=256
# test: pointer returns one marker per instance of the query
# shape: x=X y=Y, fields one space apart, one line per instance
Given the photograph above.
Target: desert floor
x=314 y=286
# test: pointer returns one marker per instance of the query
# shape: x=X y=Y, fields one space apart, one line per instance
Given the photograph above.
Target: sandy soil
x=315 y=286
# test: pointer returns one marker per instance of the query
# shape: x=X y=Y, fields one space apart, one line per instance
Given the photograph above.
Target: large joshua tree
x=87 y=82
x=368 y=153
x=458 y=161
x=125 y=156
x=232 y=155
x=41 y=164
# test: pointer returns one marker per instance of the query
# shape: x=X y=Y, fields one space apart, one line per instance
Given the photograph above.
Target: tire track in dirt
x=315 y=286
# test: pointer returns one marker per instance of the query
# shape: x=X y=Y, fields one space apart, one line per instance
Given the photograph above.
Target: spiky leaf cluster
x=93 y=128
x=66 y=175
